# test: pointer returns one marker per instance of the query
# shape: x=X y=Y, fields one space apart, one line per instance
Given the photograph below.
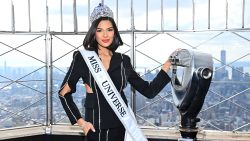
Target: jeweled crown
x=101 y=11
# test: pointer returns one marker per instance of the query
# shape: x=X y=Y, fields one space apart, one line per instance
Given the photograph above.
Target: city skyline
x=13 y=96
x=150 y=31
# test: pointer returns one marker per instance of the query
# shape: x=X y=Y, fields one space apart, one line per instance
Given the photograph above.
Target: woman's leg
x=112 y=134
x=115 y=134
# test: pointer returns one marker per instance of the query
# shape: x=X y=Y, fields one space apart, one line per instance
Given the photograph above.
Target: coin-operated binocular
x=191 y=78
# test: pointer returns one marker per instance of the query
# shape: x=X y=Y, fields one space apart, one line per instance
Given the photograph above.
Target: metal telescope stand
x=189 y=90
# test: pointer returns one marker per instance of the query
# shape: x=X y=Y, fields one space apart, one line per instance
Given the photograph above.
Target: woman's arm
x=85 y=126
x=68 y=87
x=146 y=88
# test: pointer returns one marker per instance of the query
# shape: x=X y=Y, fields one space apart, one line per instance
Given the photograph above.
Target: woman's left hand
x=166 y=66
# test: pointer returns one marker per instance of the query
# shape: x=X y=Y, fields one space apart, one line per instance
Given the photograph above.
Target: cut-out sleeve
x=73 y=75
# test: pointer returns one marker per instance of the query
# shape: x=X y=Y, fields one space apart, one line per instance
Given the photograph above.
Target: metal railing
x=57 y=43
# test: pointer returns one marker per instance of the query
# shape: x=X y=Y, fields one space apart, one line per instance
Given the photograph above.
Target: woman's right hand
x=86 y=126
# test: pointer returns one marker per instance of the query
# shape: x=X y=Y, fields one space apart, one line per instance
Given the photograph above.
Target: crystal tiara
x=101 y=11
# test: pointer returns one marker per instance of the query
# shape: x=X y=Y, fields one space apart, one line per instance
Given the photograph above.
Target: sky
x=185 y=21
x=161 y=44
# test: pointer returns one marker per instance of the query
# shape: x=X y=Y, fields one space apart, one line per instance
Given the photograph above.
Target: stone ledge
x=150 y=132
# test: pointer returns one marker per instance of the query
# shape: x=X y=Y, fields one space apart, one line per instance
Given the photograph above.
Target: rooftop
x=38 y=38
x=60 y=131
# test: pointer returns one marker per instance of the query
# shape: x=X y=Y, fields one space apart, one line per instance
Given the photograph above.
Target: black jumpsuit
x=97 y=110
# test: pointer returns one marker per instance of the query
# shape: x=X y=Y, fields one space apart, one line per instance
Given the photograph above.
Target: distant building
x=237 y=73
x=223 y=58
x=221 y=72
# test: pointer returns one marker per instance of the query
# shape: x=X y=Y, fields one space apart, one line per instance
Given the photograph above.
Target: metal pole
x=88 y=13
x=47 y=16
x=29 y=15
x=193 y=14
x=48 y=55
x=162 y=16
x=208 y=14
x=243 y=14
x=177 y=14
x=61 y=13
x=226 y=14
x=75 y=16
x=146 y=15
x=132 y=55
x=117 y=12
x=12 y=17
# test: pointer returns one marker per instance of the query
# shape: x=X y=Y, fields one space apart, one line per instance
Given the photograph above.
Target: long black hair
x=90 y=42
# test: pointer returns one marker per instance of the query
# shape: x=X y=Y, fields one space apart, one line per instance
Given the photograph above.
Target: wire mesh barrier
x=37 y=48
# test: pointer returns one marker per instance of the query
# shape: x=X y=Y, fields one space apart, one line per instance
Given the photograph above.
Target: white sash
x=113 y=97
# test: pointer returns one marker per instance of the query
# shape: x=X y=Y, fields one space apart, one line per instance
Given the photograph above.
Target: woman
x=100 y=121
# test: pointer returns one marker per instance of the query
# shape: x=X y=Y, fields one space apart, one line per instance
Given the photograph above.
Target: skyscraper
x=221 y=72
x=223 y=58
